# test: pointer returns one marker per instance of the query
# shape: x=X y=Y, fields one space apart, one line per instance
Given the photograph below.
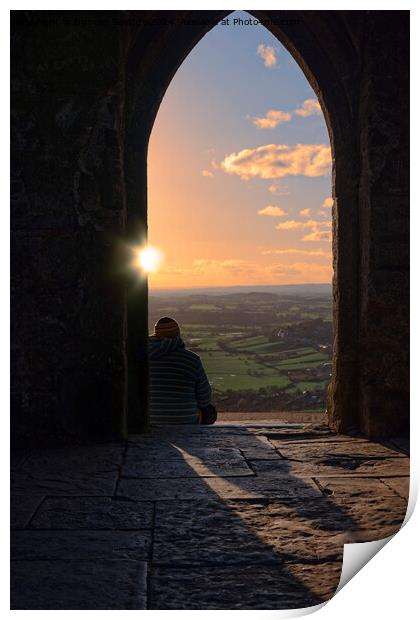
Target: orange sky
x=239 y=169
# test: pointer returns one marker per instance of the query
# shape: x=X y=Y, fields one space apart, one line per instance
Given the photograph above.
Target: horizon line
x=176 y=288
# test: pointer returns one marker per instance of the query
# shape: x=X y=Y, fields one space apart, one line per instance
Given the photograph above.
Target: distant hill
x=278 y=289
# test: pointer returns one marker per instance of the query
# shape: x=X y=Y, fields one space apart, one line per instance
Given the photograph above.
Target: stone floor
x=231 y=516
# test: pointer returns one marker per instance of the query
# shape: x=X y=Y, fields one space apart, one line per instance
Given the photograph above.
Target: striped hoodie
x=178 y=385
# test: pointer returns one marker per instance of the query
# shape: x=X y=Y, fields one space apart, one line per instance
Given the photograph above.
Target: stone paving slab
x=352 y=486
x=22 y=507
x=291 y=433
x=72 y=584
x=309 y=438
x=232 y=465
x=401 y=485
x=305 y=451
x=372 y=518
x=170 y=452
x=332 y=466
x=225 y=532
x=245 y=487
x=79 y=545
x=244 y=587
x=76 y=460
x=198 y=462
x=260 y=452
x=191 y=430
x=64 y=483
x=190 y=443
x=96 y=513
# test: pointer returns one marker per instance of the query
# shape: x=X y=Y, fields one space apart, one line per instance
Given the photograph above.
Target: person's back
x=178 y=385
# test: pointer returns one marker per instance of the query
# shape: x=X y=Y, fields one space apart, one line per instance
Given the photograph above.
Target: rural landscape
x=265 y=349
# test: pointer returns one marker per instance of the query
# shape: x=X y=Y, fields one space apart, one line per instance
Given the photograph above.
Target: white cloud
x=268 y=54
x=328 y=203
x=272 y=211
x=273 y=161
x=310 y=107
x=272 y=119
x=206 y=173
x=319 y=231
x=305 y=213
x=290 y=225
x=318 y=234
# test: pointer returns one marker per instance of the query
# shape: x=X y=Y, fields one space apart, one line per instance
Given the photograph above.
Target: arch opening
x=239 y=200
x=301 y=39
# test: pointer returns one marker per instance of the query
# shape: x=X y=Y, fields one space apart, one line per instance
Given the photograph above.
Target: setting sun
x=149 y=259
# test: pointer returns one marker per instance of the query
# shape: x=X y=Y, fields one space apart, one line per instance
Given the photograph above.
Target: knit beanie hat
x=167 y=328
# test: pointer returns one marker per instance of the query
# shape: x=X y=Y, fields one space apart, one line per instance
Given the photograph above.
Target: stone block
x=247 y=587
x=352 y=486
x=313 y=451
x=74 y=461
x=332 y=466
x=79 y=545
x=216 y=463
x=50 y=483
x=248 y=487
x=96 y=513
x=215 y=532
x=75 y=584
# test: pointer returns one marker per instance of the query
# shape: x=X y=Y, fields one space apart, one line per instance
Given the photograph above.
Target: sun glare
x=148 y=259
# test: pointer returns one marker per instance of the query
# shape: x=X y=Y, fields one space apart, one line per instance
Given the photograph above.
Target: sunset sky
x=239 y=168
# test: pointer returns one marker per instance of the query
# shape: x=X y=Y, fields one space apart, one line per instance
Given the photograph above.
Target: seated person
x=179 y=391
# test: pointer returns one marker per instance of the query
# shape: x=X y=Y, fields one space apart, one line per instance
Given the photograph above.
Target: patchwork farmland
x=262 y=351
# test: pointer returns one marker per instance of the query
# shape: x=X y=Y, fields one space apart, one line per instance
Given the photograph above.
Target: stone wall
x=384 y=229
x=86 y=87
x=68 y=204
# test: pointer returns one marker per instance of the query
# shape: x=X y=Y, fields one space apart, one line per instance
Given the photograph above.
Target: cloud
x=207 y=173
x=272 y=119
x=268 y=54
x=272 y=211
x=214 y=164
x=319 y=231
x=305 y=212
x=310 y=107
x=273 y=161
x=280 y=190
x=298 y=251
x=237 y=271
x=290 y=225
x=318 y=235
x=328 y=203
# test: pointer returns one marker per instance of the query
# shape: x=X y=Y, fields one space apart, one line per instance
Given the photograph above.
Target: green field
x=261 y=351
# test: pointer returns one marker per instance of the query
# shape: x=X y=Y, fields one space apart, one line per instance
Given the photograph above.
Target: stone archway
x=86 y=87
x=296 y=31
